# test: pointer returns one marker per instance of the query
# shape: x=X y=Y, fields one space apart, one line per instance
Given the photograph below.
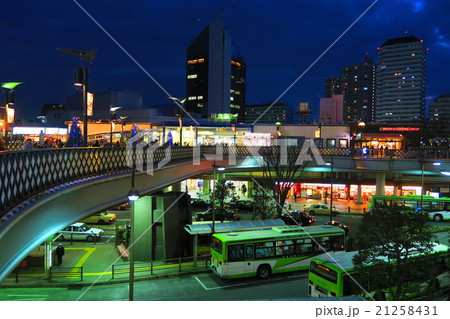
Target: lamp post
x=133 y=195
x=331 y=189
x=221 y=169
x=9 y=112
x=81 y=80
x=112 y=111
x=123 y=122
x=180 y=104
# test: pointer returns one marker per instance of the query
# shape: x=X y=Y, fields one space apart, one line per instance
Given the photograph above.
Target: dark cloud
x=278 y=39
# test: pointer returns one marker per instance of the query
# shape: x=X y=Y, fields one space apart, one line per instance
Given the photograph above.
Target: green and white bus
x=276 y=250
x=329 y=275
x=429 y=203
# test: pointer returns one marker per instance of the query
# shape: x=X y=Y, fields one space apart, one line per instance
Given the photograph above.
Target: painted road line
x=244 y=283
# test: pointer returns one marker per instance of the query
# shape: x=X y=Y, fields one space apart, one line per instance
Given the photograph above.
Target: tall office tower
x=215 y=73
x=400 y=81
x=356 y=83
x=333 y=85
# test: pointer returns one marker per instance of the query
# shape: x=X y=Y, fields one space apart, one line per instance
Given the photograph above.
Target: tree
x=263 y=203
x=75 y=138
x=223 y=190
x=281 y=169
x=388 y=237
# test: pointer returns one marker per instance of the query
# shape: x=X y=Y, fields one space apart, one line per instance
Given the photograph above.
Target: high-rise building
x=356 y=83
x=400 y=81
x=439 y=117
x=358 y=89
x=333 y=85
x=215 y=73
x=440 y=108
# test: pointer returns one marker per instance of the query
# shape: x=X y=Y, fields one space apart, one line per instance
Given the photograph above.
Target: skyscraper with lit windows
x=215 y=73
x=400 y=81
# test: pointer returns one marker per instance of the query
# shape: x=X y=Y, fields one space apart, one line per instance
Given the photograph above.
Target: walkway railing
x=26 y=174
x=155 y=268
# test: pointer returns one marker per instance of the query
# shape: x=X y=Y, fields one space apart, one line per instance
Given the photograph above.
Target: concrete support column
x=194 y=249
x=380 y=183
x=176 y=187
x=395 y=190
x=206 y=187
x=358 y=195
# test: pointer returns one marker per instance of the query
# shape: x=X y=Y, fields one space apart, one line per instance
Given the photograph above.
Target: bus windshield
x=217 y=245
x=323 y=272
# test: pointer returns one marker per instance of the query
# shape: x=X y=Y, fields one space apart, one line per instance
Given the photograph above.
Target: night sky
x=278 y=40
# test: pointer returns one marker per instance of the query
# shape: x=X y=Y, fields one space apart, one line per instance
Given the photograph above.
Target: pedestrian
x=28 y=145
x=243 y=189
x=59 y=254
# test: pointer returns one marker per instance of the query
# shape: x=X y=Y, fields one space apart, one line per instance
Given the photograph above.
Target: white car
x=81 y=231
x=439 y=216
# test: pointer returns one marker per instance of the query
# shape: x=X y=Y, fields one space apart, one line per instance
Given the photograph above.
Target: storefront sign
x=399 y=129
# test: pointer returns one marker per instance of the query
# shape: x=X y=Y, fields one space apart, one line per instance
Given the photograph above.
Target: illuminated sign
x=90 y=104
x=21 y=130
x=10 y=115
x=399 y=129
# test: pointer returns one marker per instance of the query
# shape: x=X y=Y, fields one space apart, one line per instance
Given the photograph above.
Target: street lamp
x=331 y=189
x=219 y=168
x=180 y=104
x=112 y=111
x=9 y=112
x=81 y=80
x=445 y=173
x=133 y=195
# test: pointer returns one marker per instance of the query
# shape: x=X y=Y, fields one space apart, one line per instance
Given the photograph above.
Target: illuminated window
x=192 y=76
x=199 y=104
x=200 y=97
x=192 y=98
x=231 y=98
x=192 y=61
x=201 y=60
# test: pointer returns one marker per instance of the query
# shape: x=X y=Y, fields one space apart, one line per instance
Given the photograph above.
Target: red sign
x=399 y=129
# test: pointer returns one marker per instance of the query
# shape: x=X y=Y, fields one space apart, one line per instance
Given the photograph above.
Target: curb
x=100 y=283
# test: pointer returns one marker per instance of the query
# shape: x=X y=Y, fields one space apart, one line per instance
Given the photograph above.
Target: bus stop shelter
x=206 y=228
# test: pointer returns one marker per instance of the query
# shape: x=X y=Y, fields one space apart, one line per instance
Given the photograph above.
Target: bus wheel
x=379 y=296
x=263 y=271
x=437 y=218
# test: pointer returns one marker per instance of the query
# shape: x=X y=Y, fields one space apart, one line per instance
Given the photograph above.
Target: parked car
x=125 y=206
x=200 y=203
x=100 y=218
x=338 y=224
x=320 y=209
x=81 y=231
x=298 y=218
x=246 y=205
x=220 y=214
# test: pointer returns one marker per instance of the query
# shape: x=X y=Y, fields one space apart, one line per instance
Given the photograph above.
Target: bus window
x=236 y=253
x=249 y=252
x=337 y=243
x=217 y=245
x=285 y=247
x=264 y=250
x=323 y=272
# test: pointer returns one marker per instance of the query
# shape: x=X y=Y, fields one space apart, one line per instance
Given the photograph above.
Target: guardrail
x=27 y=174
x=66 y=272
x=148 y=269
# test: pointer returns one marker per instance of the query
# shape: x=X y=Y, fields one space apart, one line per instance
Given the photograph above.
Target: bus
x=438 y=209
x=329 y=275
x=279 y=249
